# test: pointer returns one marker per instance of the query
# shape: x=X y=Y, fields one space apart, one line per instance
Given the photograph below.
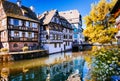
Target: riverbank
x=8 y=56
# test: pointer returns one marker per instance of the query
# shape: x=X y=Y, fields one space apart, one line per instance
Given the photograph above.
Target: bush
x=25 y=48
x=4 y=50
x=94 y=48
x=106 y=64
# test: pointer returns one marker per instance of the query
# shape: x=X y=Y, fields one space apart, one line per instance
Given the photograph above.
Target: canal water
x=56 y=67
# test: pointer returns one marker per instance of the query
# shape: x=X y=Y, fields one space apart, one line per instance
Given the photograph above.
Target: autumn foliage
x=99 y=23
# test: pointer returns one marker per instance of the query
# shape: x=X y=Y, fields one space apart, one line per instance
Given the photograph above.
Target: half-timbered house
x=56 y=32
x=18 y=26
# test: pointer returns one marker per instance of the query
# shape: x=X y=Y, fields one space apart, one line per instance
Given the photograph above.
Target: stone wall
x=20 y=45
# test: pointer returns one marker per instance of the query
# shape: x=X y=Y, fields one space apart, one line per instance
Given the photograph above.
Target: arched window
x=15 y=45
x=25 y=44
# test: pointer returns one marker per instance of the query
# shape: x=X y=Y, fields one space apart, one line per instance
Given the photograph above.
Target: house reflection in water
x=53 y=68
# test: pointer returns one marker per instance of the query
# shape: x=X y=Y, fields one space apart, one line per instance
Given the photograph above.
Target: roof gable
x=13 y=10
x=46 y=17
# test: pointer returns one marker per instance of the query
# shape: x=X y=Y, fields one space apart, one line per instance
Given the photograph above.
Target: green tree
x=99 y=24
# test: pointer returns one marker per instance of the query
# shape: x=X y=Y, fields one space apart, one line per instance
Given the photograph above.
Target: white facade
x=56 y=32
x=74 y=17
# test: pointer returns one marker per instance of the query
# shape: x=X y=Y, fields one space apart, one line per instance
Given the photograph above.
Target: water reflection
x=57 y=67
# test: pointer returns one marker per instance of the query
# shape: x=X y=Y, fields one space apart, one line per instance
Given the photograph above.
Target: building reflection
x=52 y=68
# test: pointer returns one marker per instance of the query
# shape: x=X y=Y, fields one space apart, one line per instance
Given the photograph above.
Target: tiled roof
x=72 y=16
x=13 y=10
x=46 y=17
x=29 y=13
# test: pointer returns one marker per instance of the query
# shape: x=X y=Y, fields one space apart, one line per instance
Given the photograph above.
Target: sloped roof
x=73 y=15
x=46 y=17
x=13 y=10
x=29 y=13
x=116 y=7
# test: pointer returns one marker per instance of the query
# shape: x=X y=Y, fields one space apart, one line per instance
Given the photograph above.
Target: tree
x=99 y=24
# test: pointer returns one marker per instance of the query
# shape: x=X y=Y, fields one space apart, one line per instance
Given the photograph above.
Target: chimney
x=19 y=3
x=32 y=8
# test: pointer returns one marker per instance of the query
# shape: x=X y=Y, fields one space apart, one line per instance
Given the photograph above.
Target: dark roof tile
x=13 y=10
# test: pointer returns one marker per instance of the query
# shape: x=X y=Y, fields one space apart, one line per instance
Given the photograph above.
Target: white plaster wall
x=52 y=49
x=69 y=47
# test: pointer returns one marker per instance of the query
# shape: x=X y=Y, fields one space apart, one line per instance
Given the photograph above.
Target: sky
x=83 y=6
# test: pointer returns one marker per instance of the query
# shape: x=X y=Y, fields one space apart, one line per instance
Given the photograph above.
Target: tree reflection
x=5 y=73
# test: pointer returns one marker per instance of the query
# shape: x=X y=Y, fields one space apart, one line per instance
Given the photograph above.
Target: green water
x=55 y=67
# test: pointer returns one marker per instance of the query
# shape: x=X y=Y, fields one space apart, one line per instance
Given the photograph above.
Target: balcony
x=22 y=28
x=22 y=39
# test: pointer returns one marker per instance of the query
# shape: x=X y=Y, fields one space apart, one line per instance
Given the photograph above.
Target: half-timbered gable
x=52 y=35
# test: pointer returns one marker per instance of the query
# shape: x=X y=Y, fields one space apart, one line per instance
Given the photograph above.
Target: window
x=75 y=35
x=23 y=34
x=16 y=34
x=12 y=33
x=20 y=23
x=27 y=24
x=53 y=36
x=15 y=45
x=64 y=36
x=29 y=34
x=11 y=21
x=47 y=36
x=55 y=19
x=16 y=22
x=55 y=45
x=68 y=43
x=56 y=37
x=59 y=44
x=35 y=35
x=75 y=30
x=34 y=25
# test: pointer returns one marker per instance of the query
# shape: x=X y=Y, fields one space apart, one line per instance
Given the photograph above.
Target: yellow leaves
x=112 y=3
x=88 y=20
x=94 y=48
x=99 y=24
